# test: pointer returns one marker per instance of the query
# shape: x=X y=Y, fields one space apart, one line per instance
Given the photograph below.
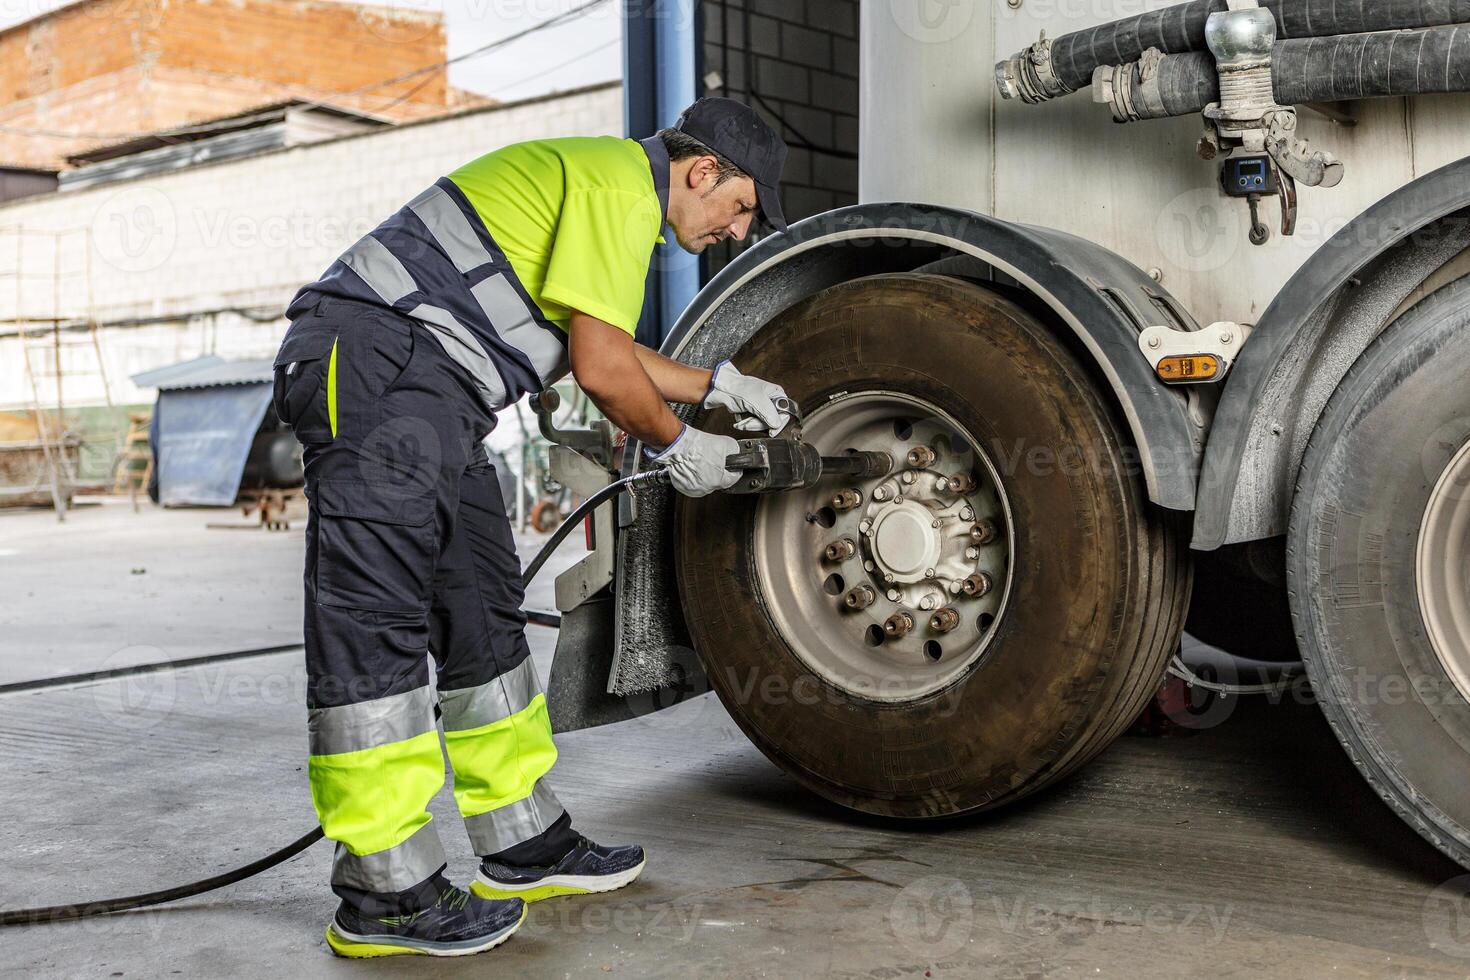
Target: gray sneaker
x=458 y=924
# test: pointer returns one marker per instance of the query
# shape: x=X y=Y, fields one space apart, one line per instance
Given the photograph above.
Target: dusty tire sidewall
x=1034 y=694
x=1376 y=457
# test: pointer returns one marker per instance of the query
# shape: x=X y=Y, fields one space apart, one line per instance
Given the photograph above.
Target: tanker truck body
x=1162 y=310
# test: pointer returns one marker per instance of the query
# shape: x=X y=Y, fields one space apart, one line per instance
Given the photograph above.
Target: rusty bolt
x=847 y=500
x=944 y=620
x=899 y=624
x=841 y=550
x=921 y=457
x=961 y=483
x=983 y=532
x=976 y=585
x=860 y=598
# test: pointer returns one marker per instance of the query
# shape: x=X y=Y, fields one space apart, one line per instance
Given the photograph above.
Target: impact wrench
x=765 y=465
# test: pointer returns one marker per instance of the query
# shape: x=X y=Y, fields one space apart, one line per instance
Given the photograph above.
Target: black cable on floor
x=83 y=910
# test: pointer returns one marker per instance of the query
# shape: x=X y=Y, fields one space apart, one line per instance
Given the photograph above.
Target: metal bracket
x=1223 y=341
x=595 y=442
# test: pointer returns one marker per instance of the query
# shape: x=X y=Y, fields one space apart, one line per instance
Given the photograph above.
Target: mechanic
x=485 y=287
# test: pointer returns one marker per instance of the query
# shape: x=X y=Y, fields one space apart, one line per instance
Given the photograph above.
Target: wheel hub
x=889 y=588
x=904 y=541
x=1443 y=574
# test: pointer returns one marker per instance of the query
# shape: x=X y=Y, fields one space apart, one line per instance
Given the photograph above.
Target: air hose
x=83 y=910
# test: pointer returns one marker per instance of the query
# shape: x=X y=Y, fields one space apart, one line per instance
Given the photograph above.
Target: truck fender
x=1345 y=295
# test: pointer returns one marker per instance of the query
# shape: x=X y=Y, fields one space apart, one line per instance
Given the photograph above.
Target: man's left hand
x=751 y=400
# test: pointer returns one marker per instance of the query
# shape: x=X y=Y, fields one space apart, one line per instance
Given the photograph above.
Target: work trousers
x=413 y=602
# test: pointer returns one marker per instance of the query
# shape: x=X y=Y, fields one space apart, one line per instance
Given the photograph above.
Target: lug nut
x=841 y=550
x=860 y=598
x=960 y=483
x=983 y=533
x=921 y=457
x=976 y=585
x=899 y=624
x=847 y=500
x=944 y=620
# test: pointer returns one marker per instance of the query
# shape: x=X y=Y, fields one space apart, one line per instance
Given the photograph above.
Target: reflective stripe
x=332 y=390
x=475 y=707
x=393 y=870
x=449 y=226
x=514 y=823
x=380 y=269
x=499 y=763
x=502 y=305
x=369 y=724
x=511 y=319
x=374 y=800
x=464 y=350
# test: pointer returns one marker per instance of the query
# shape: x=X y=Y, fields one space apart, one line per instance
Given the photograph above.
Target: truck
x=1162 y=312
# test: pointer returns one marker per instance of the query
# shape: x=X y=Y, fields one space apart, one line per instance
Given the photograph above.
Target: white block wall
x=241 y=234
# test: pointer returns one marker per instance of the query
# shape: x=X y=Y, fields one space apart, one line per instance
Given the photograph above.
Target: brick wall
x=123 y=66
x=240 y=234
x=796 y=61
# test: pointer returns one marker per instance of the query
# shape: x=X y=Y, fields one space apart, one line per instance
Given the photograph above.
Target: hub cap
x=889 y=589
x=1444 y=570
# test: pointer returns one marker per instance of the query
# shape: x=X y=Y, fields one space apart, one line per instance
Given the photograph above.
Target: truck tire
x=1378 y=561
x=1087 y=581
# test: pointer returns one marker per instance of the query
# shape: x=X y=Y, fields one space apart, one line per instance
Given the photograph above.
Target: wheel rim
x=1444 y=570
x=942 y=547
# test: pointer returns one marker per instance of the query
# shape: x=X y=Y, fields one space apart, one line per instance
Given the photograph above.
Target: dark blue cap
x=733 y=130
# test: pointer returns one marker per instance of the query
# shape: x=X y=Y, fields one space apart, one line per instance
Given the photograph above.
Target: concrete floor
x=1251 y=849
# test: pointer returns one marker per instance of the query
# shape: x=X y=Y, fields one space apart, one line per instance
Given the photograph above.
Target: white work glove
x=752 y=400
x=696 y=462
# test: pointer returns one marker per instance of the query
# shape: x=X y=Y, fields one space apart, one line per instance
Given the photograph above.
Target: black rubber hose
x=1334 y=69
x=1181 y=28
x=83 y=910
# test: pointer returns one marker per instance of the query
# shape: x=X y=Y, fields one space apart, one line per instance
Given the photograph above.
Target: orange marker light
x=1189 y=369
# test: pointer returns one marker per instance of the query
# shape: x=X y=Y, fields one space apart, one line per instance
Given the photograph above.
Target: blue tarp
x=204 y=437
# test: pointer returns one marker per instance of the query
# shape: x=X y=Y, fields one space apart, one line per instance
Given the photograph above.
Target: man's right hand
x=696 y=462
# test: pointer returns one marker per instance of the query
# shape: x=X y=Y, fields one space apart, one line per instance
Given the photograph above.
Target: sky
x=586 y=50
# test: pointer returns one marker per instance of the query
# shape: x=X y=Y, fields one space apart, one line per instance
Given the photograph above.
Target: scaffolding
x=51 y=316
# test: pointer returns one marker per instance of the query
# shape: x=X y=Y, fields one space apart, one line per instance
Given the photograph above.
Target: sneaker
x=458 y=924
x=586 y=869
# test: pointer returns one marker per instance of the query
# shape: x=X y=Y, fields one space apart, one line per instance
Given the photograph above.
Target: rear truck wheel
x=1379 y=566
x=970 y=628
